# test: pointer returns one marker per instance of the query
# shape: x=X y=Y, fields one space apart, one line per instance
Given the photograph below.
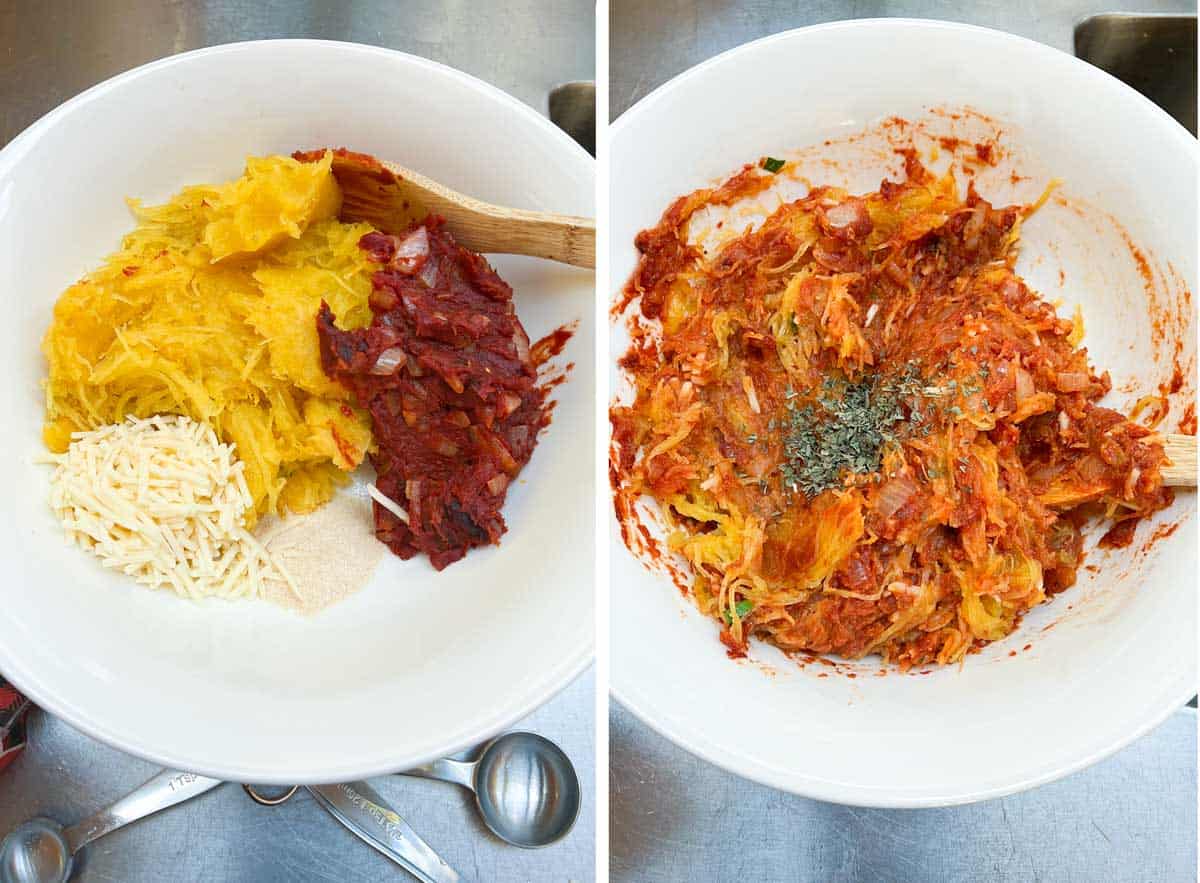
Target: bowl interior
x=1100 y=664
x=416 y=664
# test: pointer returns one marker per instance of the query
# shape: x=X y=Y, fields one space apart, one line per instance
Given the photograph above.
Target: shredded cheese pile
x=162 y=500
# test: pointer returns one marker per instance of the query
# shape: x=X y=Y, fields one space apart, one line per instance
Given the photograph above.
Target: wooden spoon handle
x=494 y=229
x=1181 y=451
x=483 y=227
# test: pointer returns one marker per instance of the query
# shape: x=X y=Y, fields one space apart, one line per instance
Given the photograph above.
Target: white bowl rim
x=818 y=789
x=28 y=682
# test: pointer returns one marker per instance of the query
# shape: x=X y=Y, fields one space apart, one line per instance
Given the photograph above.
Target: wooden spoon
x=392 y=198
x=1181 y=451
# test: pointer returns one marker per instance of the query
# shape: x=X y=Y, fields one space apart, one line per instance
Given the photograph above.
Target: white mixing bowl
x=1121 y=653
x=417 y=664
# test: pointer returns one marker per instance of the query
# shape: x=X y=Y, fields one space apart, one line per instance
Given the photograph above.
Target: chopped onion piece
x=894 y=495
x=1025 y=387
x=429 y=273
x=389 y=360
x=751 y=394
x=1072 y=381
x=509 y=402
x=521 y=342
x=518 y=435
x=412 y=251
x=842 y=215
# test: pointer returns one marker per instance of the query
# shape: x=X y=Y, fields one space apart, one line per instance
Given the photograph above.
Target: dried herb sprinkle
x=848 y=428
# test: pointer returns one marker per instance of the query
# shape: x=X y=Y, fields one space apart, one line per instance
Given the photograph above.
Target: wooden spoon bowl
x=393 y=198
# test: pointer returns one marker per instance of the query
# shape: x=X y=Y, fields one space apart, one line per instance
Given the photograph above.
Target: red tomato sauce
x=446 y=371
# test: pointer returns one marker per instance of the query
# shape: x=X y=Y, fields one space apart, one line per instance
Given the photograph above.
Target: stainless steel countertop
x=649 y=43
x=673 y=817
x=49 y=51
x=1129 y=819
x=225 y=837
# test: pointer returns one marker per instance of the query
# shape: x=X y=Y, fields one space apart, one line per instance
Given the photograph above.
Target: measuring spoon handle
x=460 y=772
x=164 y=790
x=367 y=815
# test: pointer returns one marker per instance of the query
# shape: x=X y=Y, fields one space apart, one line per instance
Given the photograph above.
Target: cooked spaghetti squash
x=208 y=310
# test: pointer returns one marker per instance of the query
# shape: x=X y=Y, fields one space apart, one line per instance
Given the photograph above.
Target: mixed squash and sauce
x=865 y=432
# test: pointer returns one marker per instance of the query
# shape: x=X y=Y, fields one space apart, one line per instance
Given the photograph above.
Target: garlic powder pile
x=330 y=554
x=162 y=500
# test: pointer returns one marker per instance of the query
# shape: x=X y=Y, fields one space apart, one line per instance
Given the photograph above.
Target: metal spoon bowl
x=36 y=852
x=525 y=787
x=42 y=851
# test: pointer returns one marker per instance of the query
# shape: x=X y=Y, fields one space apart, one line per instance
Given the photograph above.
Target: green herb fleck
x=771 y=164
x=743 y=607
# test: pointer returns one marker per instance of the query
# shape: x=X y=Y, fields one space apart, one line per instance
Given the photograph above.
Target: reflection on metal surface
x=525 y=786
x=1155 y=54
x=674 y=817
x=369 y=817
x=65 y=774
x=573 y=109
